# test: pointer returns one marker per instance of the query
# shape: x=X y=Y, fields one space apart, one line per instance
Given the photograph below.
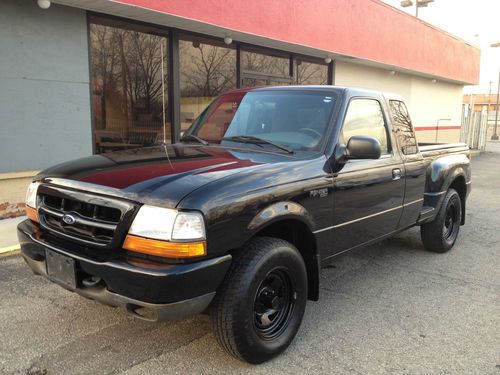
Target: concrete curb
x=10 y=250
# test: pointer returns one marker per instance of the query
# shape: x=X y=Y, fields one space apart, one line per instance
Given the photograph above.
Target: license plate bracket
x=61 y=268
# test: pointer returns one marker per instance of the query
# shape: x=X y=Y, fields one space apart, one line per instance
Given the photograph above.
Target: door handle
x=396 y=174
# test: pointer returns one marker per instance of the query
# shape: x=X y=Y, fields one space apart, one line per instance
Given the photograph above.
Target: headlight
x=31 y=211
x=167 y=233
x=167 y=224
x=154 y=222
x=31 y=194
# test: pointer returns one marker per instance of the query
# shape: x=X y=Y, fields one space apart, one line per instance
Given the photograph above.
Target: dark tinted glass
x=252 y=62
x=404 y=130
x=310 y=73
x=365 y=117
x=129 y=86
x=207 y=69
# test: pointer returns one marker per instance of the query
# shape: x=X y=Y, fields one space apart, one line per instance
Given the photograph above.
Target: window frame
x=94 y=18
x=396 y=129
x=312 y=60
x=390 y=148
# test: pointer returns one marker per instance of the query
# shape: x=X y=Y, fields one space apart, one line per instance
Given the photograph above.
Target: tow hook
x=91 y=281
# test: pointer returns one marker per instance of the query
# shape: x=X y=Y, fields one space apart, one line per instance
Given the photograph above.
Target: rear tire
x=259 y=307
x=440 y=234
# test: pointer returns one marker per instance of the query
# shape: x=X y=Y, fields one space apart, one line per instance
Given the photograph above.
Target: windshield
x=296 y=120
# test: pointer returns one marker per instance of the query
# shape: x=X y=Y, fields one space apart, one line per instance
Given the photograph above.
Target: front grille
x=83 y=217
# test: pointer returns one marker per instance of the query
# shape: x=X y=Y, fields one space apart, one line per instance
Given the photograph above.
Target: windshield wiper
x=195 y=138
x=256 y=140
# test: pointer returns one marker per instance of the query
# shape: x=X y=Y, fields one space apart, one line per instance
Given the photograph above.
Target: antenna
x=163 y=96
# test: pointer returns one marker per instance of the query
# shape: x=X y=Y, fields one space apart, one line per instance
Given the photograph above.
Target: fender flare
x=280 y=211
x=288 y=210
x=443 y=171
x=441 y=174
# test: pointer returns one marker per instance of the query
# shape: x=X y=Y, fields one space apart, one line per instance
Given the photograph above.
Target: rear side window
x=364 y=117
x=403 y=127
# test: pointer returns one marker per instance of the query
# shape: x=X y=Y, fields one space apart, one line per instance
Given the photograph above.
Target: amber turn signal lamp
x=164 y=248
x=32 y=214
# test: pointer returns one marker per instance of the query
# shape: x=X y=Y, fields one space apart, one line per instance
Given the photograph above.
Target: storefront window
x=260 y=69
x=310 y=73
x=129 y=86
x=252 y=62
x=207 y=69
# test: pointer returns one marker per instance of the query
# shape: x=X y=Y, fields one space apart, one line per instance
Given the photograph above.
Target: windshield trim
x=336 y=93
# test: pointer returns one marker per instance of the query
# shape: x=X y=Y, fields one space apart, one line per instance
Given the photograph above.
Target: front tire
x=440 y=234
x=259 y=307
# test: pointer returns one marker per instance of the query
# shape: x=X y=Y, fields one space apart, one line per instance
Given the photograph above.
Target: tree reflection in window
x=263 y=63
x=404 y=128
x=309 y=73
x=129 y=84
x=207 y=69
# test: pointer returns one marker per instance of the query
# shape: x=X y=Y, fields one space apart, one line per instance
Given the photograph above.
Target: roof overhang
x=368 y=32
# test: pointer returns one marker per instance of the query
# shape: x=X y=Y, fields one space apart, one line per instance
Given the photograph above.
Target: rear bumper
x=164 y=292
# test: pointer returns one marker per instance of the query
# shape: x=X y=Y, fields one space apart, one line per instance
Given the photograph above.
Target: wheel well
x=459 y=185
x=298 y=233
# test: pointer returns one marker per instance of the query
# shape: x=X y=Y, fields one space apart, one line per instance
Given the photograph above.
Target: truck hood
x=160 y=175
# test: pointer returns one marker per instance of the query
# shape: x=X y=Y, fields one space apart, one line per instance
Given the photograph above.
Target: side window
x=403 y=127
x=365 y=117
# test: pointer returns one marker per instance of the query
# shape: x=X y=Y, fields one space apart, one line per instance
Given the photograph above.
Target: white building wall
x=436 y=104
x=430 y=104
x=352 y=74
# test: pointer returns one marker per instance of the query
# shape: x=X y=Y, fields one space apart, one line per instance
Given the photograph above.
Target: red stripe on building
x=419 y=128
x=365 y=29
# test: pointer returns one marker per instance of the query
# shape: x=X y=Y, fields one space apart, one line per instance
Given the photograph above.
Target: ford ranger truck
x=237 y=219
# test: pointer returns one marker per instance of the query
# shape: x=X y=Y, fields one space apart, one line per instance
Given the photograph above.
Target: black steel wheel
x=441 y=234
x=258 y=309
x=451 y=221
x=274 y=304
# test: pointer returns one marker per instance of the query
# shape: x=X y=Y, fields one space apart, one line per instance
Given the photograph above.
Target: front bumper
x=162 y=292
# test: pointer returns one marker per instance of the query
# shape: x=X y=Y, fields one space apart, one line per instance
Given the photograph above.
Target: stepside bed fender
x=442 y=173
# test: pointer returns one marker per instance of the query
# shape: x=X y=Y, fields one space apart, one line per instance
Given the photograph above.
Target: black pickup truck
x=238 y=218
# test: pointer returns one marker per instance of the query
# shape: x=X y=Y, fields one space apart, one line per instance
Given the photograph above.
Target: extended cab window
x=404 y=130
x=365 y=117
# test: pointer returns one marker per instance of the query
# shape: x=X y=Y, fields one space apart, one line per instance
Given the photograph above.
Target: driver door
x=368 y=194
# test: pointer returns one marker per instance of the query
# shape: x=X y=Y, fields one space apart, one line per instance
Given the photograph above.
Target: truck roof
x=352 y=91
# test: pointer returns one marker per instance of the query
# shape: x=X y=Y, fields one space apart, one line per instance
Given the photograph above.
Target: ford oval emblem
x=68 y=219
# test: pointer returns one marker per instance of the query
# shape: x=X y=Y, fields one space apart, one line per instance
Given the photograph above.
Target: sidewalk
x=8 y=235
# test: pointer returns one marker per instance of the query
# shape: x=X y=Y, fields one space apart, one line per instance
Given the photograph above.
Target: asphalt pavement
x=389 y=308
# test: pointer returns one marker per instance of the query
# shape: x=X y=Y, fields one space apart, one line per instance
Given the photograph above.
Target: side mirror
x=359 y=147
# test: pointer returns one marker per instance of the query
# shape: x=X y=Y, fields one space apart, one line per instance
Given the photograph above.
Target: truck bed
x=436 y=149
